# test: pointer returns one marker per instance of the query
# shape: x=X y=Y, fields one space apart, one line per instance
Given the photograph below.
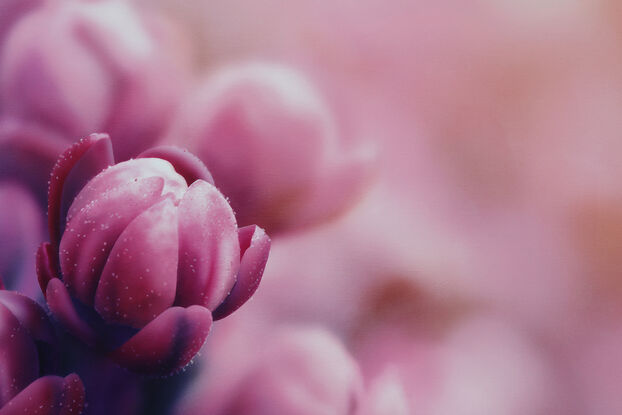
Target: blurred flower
x=82 y=66
x=386 y=395
x=11 y=11
x=273 y=146
x=145 y=255
x=295 y=371
x=21 y=231
x=27 y=154
x=477 y=364
x=26 y=335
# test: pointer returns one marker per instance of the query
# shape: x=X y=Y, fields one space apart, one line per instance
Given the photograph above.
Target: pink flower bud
x=82 y=66
x=24 y=327
x=273 y=146
x=301 y=371
x=150 y=253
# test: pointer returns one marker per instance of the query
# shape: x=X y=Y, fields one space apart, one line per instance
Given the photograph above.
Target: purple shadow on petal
x=184 y=162
x=62 y=307
x=255 y=248
x=167 y=343
x=49 y=395
x=60 y=172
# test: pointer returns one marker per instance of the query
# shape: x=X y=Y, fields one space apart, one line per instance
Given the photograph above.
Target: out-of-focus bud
x=386 y=395
x=27 y=154
x=25 y=335
x=298 y=371
x=11 y=11
x=273 y=146
x=83 y=66
x=149 y=259
x=21 y=231
x=480 y=364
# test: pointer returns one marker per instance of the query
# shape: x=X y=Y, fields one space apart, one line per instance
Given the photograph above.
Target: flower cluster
x=310 y=208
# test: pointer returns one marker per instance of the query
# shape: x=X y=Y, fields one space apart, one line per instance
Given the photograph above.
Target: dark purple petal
x=168 y=343
x=255 y=247
x=49 y=395
x=209 y=251
x=92 y=232
x=60 y=304
x=138 y=281
x=184 y=162
x=30 y=314
x=60 y=172
x=46 y=266
x=19 y=362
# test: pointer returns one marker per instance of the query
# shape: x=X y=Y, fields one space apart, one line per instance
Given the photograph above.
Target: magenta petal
x=184 y=162
x=209 y=251
x=93 y=161
x=138 y=281
x=19 y=364
x=255 y=247
x=49 y=395
x=168 y=343
x=61 y=170
x=30 y=314
x=128 y=171
x=73 y=395
x=46 y=265
x=60 y=304
x=92 y=232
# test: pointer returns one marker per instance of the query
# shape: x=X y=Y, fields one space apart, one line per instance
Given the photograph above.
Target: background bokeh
x=477 y=266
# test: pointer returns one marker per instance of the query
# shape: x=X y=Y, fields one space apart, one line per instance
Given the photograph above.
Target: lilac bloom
x=149 y=255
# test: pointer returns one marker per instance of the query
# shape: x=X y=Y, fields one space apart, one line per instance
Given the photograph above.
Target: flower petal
x=97 y=158
x=73 y=395
x=184 y=162
x=60 y=172
x=30 y=314
x=49 y=395
x=168 y=343
x=255 y=247
x=209 y=251
x=19 y=362
x=60 y=304
x=46 y=265
x=92 y=232
x=125 y=172
x=138 y=281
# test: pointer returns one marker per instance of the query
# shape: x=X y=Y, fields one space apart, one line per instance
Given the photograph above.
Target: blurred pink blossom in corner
x=273 y=146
